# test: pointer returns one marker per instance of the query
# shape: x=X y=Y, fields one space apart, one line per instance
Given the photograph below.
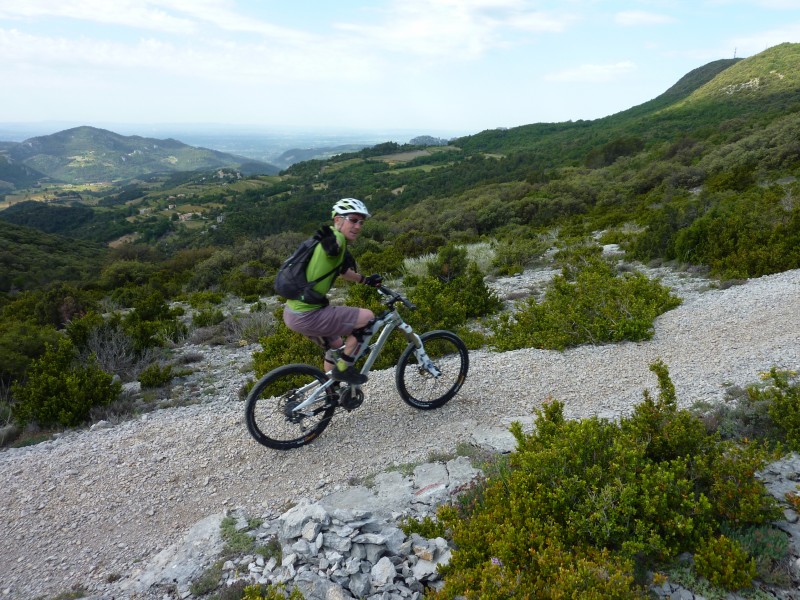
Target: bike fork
x=422 y=357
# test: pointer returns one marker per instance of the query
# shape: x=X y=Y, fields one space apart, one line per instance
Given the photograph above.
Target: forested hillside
x=703 y=176
x=83 y=154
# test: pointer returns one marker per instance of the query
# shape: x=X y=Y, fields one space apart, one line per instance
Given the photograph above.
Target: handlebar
x=394 y=297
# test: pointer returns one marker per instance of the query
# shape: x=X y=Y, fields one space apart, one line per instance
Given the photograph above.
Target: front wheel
x=431 y=386
x=269 y=412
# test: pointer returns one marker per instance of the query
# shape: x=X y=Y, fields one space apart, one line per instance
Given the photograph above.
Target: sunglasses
x=355 y=220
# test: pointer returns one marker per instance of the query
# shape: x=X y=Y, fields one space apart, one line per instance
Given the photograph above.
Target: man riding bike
x=325 y=324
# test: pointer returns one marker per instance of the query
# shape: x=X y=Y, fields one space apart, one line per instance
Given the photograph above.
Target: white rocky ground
x=95 y=505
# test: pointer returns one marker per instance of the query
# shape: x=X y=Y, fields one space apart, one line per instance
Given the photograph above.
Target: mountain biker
x=324 y=324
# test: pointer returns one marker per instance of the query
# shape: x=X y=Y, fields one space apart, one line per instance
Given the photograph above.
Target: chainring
x=350 y=398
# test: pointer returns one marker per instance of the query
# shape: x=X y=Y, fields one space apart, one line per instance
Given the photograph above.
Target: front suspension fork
x=419 y=350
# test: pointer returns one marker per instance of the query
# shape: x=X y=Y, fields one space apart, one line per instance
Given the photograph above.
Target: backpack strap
x=335 y=269
x=314 y=282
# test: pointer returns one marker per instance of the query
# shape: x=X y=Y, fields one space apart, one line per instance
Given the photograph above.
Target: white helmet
x=345 y=206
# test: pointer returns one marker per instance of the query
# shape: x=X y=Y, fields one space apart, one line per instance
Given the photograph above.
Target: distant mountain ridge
x=296 y=155
x=85 y=154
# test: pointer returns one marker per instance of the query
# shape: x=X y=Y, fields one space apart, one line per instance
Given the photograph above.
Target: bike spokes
x=427 y=378
x=277 y=412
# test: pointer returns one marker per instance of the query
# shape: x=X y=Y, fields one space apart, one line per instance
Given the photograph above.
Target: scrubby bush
x=783 y=398
x=386 y=260
x=769 y=548
x=249 y=327
x=450 y=263
x=60 y=390
x=205 y=299
x=585 y=504
x=515 y=255
x=21 y=342
x=283 y=347
x=155 y=375
x=767 y=411
x=743 y=233
x=152 y=322
x=427 y=527
x=258 y=592
x=449 y=304
x=208 y=318
x=587 y=303
x=112 y=347
x=725 y=563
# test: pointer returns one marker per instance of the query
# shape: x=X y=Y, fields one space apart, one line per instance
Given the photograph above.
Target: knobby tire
x=418 y=387
x=266 y=414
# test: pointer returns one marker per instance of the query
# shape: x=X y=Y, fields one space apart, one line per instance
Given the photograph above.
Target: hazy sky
x=457 y=66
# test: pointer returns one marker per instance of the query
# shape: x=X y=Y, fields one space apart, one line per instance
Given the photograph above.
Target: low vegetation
x=597 y=509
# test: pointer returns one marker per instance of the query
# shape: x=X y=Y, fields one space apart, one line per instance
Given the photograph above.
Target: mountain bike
x=292 y=405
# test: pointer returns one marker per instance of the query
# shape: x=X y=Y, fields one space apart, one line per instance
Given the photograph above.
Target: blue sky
x=430 y=66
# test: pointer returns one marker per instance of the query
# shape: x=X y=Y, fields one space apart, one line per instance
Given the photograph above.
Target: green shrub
x=582 y=498
x=22 y=342
x=513 y=256
x=205 y=299
x=236 y=542
x=587 y=303
x=387 y=261
x=450 y=304
x=208 y=318
x=257 y=592
x=60 y=390
x=783 y=397
x=155 y=375
x=736 y=495
x=427 y=527
x=725 y=563
x=666 y=432
x=283 y=347
x=738 y=234
x=450 y=263
x=208 y=581
x=769 y=547
x=81 y=329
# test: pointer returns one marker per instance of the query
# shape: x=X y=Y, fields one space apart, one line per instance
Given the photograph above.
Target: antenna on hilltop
x=734 y=52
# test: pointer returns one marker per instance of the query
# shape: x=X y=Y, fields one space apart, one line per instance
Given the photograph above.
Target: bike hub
x=289 y=412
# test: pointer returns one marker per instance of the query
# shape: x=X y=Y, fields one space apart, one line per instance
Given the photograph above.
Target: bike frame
x=386 y=323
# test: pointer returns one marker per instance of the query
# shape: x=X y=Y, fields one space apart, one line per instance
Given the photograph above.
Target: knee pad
x=363 y=332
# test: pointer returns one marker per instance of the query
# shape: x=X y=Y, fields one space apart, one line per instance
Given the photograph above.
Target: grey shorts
x=325 y=326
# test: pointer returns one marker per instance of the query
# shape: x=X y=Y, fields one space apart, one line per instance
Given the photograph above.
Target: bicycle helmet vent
x=346 y=206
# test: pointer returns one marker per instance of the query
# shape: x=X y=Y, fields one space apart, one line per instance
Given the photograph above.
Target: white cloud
x=188 y=17
x=634 y=18
x=593 y=73
x=215 y=60
x=454 y=29
x=145 y=15
x=758 y=42
x=742 y=46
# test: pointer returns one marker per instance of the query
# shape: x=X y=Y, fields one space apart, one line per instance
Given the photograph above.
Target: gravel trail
x=95 y=504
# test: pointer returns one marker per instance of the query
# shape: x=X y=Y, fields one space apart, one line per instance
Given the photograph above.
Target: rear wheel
x=421 y=388
x=268 y=408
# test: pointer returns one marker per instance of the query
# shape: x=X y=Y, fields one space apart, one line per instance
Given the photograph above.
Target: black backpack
x=291 y=282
